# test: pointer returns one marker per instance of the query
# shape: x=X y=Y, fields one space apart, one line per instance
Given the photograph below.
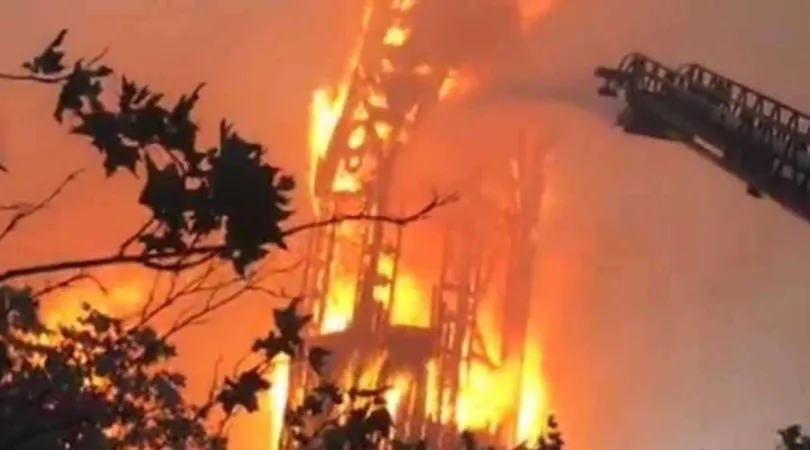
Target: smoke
x=675 y=312
x=671 y=303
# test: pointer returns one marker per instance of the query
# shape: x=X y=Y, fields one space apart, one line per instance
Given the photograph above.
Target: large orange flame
x=280 y=379
x=123 y=297
x=477 y=408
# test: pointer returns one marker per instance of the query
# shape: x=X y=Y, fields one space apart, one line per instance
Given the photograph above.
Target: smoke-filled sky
x=673 y=305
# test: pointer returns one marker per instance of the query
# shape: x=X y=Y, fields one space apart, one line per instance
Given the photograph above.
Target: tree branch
x=208 y=252
x=15 y=206
x=56 y=79
x=416 y=216
x=36 y=78
x=81 y=276
x=100 y=262
x=189 y=317
x=28 y=212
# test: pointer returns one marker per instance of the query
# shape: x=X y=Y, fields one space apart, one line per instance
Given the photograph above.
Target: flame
x=533 y=401
x=325 y=109
x=477 y=407
x=531 y=11
x=396 y=36
x=433 y=390
x=394 y=396
x=125 y=297
x=457 y=85
x=66 y=307
x=405 y=294
x=412 y=303
x=411 y=299
x=279 y=377
x=339 y=305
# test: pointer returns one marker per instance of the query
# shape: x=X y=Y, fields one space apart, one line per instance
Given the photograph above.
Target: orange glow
x=339 y=305
x=65 y=306
x=279 y=378
x=412 y=303
x=345 y=181
x=531 y=11
x=325 y=110
x=533 y=400
x=411 y=300
x=395 y=395
x=327 y=105
x=403 y=5
x=477 y=407
x=396 y=36
x=488 y=392
x=457 y=85
x=433 y=392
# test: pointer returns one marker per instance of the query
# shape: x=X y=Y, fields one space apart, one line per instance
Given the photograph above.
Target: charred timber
x=754 y=137
x=391 y=89
x=456 y=300
x=397 y=85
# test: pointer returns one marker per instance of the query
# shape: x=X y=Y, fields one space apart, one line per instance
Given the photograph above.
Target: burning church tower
x=431 y=349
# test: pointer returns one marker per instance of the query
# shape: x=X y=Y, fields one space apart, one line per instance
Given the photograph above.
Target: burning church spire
x=385 y=327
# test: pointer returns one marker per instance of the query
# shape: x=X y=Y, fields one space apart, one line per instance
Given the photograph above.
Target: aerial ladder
x=756 y=138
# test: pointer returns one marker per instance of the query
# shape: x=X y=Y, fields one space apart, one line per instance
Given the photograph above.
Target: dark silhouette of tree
x=793 y=438
x=223 y=201
x=334 y=418
x=103 y=382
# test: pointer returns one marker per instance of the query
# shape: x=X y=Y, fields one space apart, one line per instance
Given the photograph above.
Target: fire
x=280 y=381
x=343 y=120
x=396 y=36
x=433 y=392
x=339 y=305
x=533 y=401
x=125 y=297
x=457 y=85
x=411 y=299
x=477 y=407
x=327 y=105
x=533 y=10
x=394 y=396
x=411 y=305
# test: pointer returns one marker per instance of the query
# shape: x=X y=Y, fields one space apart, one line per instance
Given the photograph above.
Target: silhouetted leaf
x=272 y=345
x=290 y=324
x=49 y=62
x=243 y=392
x=107 y=380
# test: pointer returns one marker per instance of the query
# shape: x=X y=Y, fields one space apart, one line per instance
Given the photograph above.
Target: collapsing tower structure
x=397 y=79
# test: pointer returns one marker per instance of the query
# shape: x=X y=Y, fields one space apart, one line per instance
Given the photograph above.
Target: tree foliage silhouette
x=332 y=418
x=224 y=201
x=104 y=381
x=192 y=193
